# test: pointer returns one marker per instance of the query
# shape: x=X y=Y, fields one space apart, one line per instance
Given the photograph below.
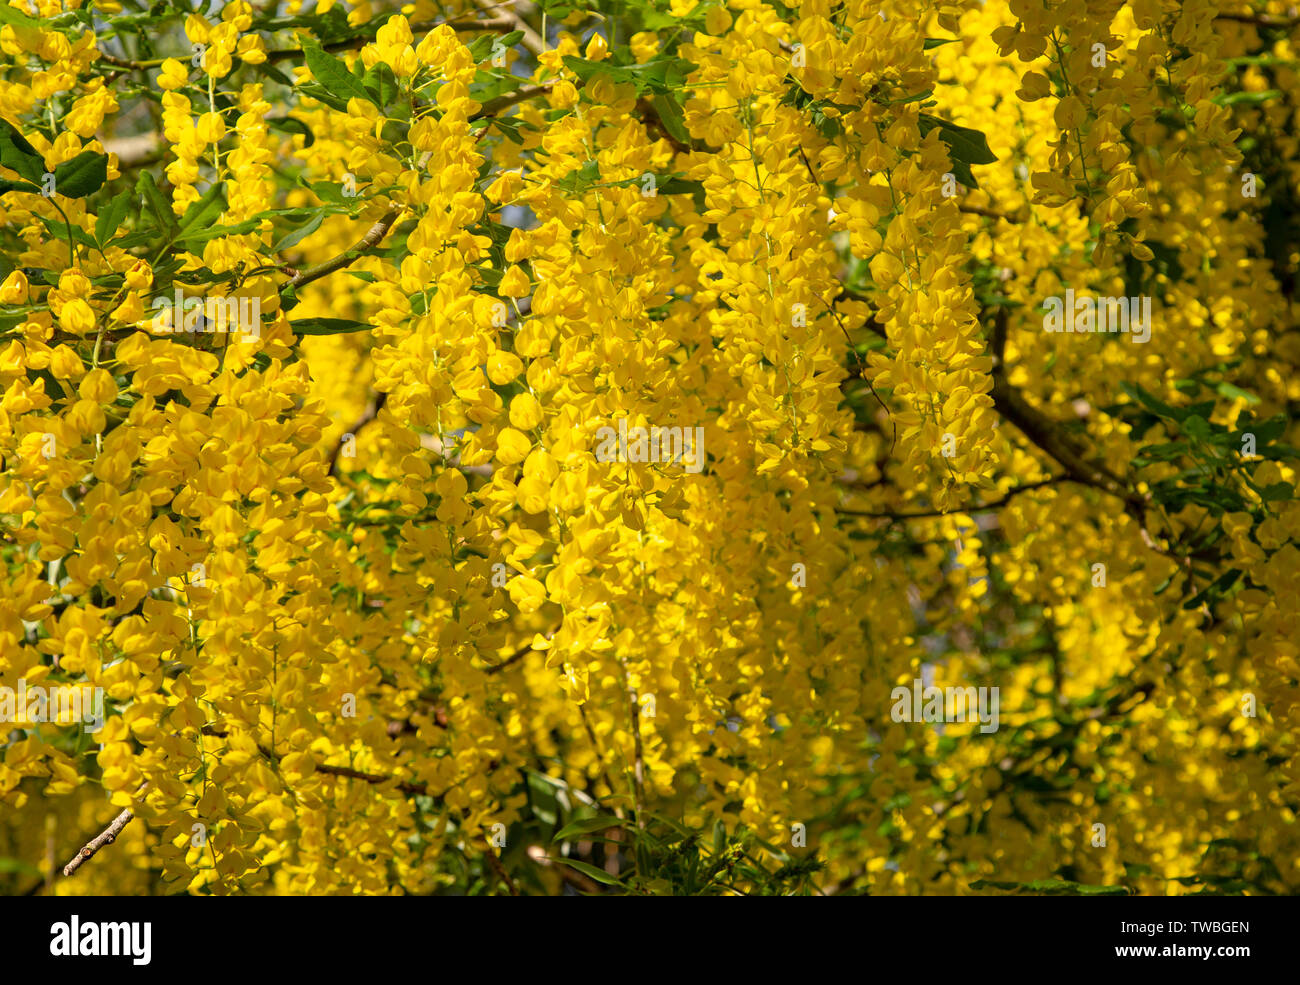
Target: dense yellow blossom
x=370 y=603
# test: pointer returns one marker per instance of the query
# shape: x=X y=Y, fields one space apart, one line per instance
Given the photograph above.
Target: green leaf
x=110 y=217
x=328 y=326
x=205 y=210
x=542 y=798
x=1052 y=887
x=1250 y=98
x=332 y=25
x=577 y=182
x=588 y=70
x=11 y=15
x=323 y=95
x=915 y=97
x=1231 y=392
x=590 y=871
x=296 y=236
x=673 y=185
x=158 y=206
x=380 y=82
x=480 y=47
x=1214 y=590
x=17 y=186
x=289 y=124
x=1152 y=403
x=17 y=153
x=486 y=87
x=965 y=146
x=15 y=865
x=1264 y=431
x=326 y=191
x=512 y=127
x=333 y=74
x=82 y=175
x=670 y=113
x=937 y=42
x=662 y=74
x=657 y=20
x=59 y=230
x=1277 y=492
x=197 y=236
x=969 y=145
x=1196 y=426
x=267 y=68
x=588 y=825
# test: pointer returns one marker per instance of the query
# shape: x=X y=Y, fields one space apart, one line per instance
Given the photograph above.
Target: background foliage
x=366 y=606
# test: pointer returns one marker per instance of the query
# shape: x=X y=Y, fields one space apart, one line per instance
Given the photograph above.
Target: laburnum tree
x=314 y=319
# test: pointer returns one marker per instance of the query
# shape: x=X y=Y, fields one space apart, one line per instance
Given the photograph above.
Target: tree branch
x=371 y=239
x=871 y=323
x=503 y=24
x=136 y=151
x=995 y=504
x=988 y=213
x=515 y=657
x=494 y=106
x=998 y=340
x=531 y=39
x=652 y=115
x=499 y=25
x=1260 y=20
x=1011 y=405
x=1044 y=433
x=1009 y=402
x=406 y=786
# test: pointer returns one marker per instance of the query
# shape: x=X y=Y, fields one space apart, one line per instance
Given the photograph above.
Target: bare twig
x=105 y=837
x=980 y=508
x=369 y=414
